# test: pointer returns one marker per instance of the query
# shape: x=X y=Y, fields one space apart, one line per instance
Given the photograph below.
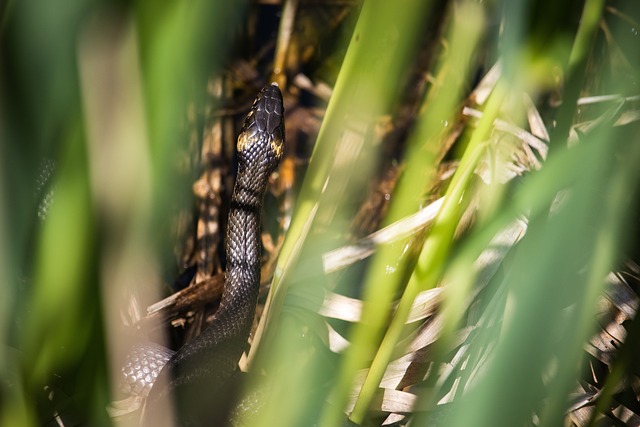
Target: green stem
x=434 y=252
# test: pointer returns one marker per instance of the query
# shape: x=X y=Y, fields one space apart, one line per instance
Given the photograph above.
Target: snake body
x=201 y=368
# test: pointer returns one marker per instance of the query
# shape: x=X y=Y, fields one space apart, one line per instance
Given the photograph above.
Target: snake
x=197 y=376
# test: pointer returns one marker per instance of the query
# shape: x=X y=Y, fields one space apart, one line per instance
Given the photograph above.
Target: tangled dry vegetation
x=515 y=148
x=450 y=239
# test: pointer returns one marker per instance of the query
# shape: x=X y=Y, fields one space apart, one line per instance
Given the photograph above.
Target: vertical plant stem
x=433 y=254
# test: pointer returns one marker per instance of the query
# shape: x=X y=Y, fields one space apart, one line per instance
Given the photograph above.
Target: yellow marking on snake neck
x=244 y=140
x=277 y=146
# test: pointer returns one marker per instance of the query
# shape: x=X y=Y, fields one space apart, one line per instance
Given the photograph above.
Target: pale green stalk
x=386 y=273
x=343 y=161
x=434 y=251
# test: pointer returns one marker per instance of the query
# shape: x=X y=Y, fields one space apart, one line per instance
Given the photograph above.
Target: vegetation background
x=451 y=239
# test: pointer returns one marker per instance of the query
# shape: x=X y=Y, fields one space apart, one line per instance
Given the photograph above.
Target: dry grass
x=450 y=239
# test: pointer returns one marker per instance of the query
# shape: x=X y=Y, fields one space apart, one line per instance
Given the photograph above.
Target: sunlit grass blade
x=425 y=149
x=345 y=152
x=432 y=257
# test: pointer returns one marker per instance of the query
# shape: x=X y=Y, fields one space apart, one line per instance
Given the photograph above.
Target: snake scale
x=198 y=374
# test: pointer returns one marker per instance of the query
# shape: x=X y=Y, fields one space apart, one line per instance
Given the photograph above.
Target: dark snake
x=199 y=372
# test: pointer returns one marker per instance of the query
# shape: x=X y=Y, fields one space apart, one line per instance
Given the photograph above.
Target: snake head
x=262 y=135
